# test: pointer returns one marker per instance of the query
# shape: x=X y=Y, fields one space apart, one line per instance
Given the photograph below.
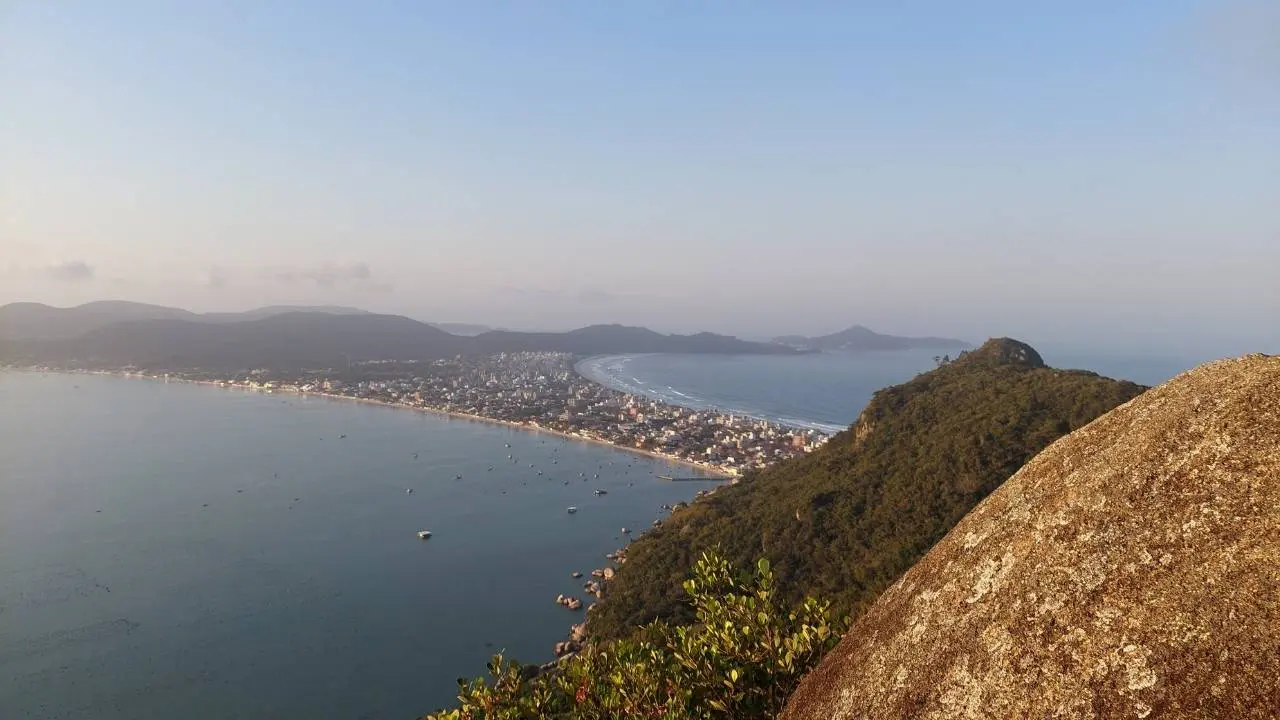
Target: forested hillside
x=846 y=521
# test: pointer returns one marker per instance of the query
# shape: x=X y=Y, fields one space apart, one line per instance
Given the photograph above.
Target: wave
x=611 y=371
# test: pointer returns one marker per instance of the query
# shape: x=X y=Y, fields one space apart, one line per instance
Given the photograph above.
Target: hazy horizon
x=1092 y=176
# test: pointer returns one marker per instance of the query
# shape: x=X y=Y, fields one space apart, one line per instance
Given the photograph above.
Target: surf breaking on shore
x=613 y=372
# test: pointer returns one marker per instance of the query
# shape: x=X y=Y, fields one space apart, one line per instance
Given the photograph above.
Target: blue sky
x=1086 y=172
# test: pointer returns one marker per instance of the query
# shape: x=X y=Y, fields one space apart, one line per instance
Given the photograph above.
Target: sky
x=1086 y=172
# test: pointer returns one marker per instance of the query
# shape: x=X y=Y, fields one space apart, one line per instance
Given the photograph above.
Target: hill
x=457 y=328
x=1127 y=571
x=34 y=321
x=847 y=520
x=273 y=310
x=294 y=340
x=287 y=341
x=613 y=339
x=859 y=338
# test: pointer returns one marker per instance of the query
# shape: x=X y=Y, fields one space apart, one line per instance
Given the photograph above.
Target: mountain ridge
x=37 y=321
x=292 y=339
x=860 y=338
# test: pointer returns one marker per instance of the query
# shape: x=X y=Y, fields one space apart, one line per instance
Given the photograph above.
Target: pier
x=671 y=478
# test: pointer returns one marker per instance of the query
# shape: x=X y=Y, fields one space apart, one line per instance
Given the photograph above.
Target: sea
x=176 y=550
x=822 y=391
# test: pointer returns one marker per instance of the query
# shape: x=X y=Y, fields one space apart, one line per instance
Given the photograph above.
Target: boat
x=571 y=509
x=601 y=491
x=424 y=534
x=408 y=490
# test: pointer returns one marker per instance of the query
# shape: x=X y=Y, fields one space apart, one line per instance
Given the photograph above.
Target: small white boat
x=571 y=509
x=601 y=492
x=424 y=534
x=408 y=490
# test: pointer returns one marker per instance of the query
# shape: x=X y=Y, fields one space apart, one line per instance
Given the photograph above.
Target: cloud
x=215 y=278
x=520 y=294
x=355 y=275
x=582 y=296
x=596 y=296
x=70 y=271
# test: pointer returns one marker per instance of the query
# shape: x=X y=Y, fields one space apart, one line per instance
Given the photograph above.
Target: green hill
x=844 y=522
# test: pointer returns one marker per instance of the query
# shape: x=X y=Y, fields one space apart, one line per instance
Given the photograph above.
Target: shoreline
x=526 y=427
x=611 y=382
x=715 y=474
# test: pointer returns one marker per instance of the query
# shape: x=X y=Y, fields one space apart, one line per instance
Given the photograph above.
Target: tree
x=742 y=659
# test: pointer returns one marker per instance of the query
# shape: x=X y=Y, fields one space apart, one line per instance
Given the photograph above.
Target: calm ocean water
x=825 y=390
x=170 y=550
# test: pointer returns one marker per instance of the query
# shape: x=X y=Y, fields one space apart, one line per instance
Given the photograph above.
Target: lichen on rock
x=1132 y=569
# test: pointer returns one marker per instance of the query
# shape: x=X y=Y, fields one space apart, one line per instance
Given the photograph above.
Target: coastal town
x=539 y=390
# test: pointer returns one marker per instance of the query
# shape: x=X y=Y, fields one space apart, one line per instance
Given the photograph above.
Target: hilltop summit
x=1005 y=351
x=1129 y=570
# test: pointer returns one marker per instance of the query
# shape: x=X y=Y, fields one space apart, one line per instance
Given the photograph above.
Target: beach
x=528 y=427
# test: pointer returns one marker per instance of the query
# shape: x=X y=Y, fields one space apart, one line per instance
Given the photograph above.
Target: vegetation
x=844 y=522
x=742 y=658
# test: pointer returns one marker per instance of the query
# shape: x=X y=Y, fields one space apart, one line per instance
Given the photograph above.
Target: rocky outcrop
x=1130 y=570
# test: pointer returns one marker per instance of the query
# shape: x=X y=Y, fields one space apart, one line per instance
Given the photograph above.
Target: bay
x=173 y=550
x=825 y=391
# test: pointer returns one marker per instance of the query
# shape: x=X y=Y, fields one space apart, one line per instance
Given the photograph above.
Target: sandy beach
x=712 y=471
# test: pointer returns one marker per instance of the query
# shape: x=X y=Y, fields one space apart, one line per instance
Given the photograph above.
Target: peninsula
x=531 y=390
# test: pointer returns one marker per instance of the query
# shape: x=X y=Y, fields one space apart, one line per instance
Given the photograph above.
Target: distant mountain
x=35 y=321
x=273 y=310
x=861 y=338
x=286 y=341
x=467 y=329
x=613 y=339
x=293 y=340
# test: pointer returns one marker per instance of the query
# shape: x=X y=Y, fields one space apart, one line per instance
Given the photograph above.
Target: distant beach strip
x=711 y=470
x=613 y=372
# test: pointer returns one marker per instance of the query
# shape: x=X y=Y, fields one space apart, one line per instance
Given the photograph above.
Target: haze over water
x=171 y=550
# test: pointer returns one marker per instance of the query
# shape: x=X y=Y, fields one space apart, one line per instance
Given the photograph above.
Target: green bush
x=742 y=658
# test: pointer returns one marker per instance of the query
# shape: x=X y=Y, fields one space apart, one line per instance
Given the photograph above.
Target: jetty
x=671 y=478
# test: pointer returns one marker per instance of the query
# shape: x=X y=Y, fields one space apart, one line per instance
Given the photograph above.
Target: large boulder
x=1130 y=570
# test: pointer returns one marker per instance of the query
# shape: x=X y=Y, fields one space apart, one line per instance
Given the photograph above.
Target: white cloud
x=356 y=275
x=70 y=271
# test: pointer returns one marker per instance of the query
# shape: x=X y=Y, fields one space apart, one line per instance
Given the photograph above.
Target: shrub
x=742 y=658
